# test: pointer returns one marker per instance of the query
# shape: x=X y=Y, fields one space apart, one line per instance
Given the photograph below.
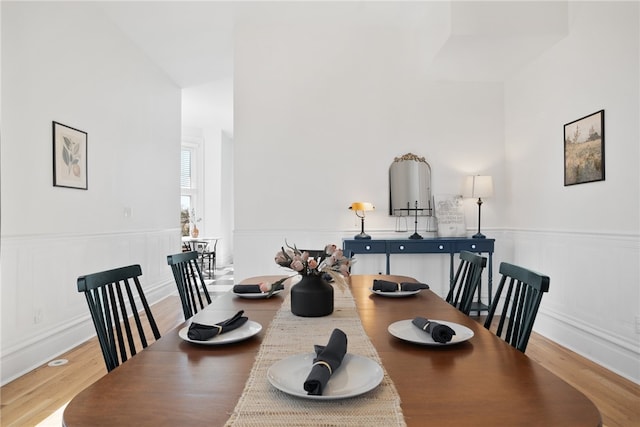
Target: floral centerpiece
x=330 y=266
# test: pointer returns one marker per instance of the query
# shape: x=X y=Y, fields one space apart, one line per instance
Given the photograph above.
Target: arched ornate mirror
x=410 y=186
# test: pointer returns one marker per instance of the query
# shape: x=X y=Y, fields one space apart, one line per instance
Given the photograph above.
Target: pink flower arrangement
x=331 y=265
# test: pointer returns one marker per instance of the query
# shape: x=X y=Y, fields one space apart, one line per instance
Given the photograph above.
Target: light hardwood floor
x=31 y=398
x=35 y=396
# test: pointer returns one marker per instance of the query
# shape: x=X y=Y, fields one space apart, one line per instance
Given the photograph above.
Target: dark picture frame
x=69 y=157
x=584 y=149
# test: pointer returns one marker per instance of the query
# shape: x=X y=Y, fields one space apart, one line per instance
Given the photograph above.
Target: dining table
x=476 y=379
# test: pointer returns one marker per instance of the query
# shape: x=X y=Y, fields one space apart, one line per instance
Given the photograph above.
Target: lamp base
x=415 y=236
x=479 y=236
x=362 y=236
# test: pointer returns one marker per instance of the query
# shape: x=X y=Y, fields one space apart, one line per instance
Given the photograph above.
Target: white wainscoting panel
x=43 y=315
x=594 y=292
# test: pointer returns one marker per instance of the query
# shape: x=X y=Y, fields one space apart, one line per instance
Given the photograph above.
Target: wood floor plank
x=617 y=398
x=31 y=398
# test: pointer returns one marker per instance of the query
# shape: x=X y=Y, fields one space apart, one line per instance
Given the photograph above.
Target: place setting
x=391 y=289
x=329 y=373
x=210 y=330
x=261 y=290
x=430 y=332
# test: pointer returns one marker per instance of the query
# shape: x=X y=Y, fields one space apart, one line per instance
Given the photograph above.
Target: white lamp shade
x=478 y=186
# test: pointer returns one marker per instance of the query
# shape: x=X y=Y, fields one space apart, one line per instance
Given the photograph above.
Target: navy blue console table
x=445 y=245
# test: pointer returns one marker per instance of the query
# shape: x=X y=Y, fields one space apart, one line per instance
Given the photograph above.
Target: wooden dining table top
x=482 y=381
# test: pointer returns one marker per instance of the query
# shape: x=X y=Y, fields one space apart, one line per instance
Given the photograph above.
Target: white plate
x=245 y=331
x=355 y=376
x=405 y=330
x=256 y=295
x=395 y=294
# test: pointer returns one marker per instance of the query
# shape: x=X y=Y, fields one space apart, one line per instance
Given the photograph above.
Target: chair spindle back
x=192 y=289
x=523 y=294
x=466 y=281
x=113 y=297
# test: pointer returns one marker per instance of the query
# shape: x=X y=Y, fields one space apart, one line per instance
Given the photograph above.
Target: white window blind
x=185 y=169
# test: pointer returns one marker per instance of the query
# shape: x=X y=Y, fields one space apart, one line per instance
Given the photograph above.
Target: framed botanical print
x=584 y=149
x=69 y=157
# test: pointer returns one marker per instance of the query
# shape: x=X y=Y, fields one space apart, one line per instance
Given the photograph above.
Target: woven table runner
x=261 y=404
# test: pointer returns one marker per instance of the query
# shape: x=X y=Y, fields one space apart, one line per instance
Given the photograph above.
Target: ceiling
x=192 y=41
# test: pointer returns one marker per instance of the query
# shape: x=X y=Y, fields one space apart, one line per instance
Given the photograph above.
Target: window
x=188 y=180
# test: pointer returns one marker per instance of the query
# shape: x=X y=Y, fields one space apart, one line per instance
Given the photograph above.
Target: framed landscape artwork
x=69 y=157
x=584 y=149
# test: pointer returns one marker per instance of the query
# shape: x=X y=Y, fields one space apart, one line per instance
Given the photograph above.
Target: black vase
x=312 y=296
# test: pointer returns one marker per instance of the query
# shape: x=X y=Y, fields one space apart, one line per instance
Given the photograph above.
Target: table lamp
x=478 y=186
x=361 y=207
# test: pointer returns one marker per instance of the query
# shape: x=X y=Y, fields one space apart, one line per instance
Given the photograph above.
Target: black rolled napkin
x=387 y=286
x=440 y=333
x=253 y=289
x=199 y=332
x=328 y=359
x=411 y=286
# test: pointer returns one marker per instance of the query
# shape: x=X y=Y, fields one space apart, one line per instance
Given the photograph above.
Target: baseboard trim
x=27 y=356
x=604 y=347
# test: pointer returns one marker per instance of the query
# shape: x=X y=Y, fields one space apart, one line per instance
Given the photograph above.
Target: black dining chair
x=192 y=289
x=523 y=290
x=207 y=254
x=122 y=327
x=466 y=281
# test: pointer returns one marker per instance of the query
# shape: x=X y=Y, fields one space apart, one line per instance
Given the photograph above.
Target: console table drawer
x=474 y=246
x=438 y=245
x=366 y=247
x=419 y=247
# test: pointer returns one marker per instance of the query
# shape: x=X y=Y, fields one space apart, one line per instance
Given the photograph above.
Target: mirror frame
x=410 y=179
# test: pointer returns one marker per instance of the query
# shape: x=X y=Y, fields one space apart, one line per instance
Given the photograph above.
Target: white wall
x=226 y=202
x=322 y=107
x=207 y=112
x=66 y=62
x=585 y=237
x=213 y=176
x=212 y=220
